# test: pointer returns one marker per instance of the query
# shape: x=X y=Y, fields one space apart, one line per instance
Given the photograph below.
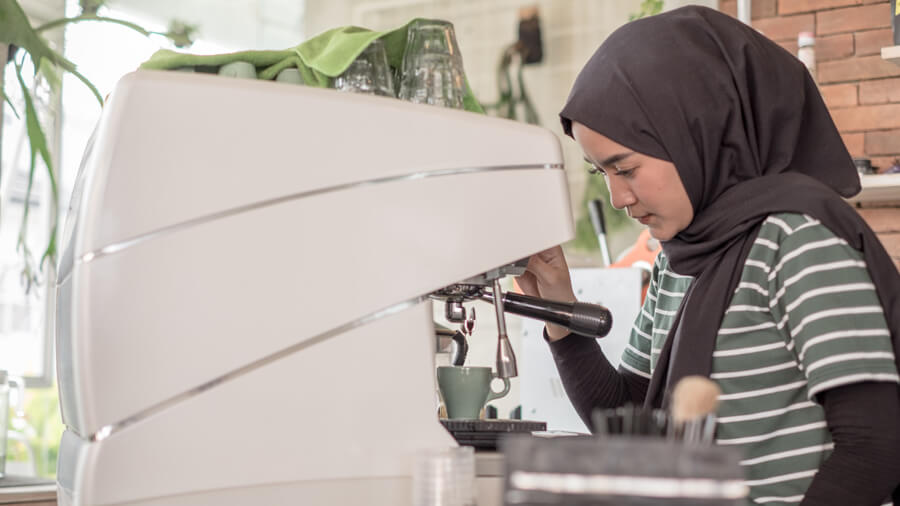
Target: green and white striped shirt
x=804 y=318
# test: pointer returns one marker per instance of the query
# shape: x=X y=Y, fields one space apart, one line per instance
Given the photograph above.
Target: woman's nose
x=620 y=195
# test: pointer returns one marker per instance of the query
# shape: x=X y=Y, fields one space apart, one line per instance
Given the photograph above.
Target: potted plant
x=20 y=40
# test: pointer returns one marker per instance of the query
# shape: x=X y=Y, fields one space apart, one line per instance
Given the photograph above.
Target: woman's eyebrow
x=618 y=157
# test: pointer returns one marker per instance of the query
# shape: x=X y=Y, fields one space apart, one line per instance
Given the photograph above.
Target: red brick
x=796 y=6
x=854 y=143
x=834 y=47
x=728 y=7
x=867 y=117
x=763 y=9
x=879 y=91
x=891 y=242
x=839 y=95
x=789 y=45
x=786 y=28
x=758 y=9
x=882 y=219
x=883 y=142
x=851 y=19
x=856 y=69
x=871 y=41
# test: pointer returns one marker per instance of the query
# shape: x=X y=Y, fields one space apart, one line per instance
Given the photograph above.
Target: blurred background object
x=527 y=50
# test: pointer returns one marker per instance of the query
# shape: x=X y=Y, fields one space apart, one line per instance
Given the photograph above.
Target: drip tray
x=484 y=435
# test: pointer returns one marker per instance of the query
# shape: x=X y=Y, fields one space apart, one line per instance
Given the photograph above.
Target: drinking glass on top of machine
x=432 y=71
x=368 y=73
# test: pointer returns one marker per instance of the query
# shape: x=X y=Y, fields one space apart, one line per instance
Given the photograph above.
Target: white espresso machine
x=243 y=297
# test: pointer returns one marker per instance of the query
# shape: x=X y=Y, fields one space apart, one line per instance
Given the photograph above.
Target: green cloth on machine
x=319 y=59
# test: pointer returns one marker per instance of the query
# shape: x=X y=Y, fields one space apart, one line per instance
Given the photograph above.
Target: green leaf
x=87 y=83
x=51 y=75
x=8 y=102
x=91 y=6
x=16 y=29
x=38 y=144
x=181 y=34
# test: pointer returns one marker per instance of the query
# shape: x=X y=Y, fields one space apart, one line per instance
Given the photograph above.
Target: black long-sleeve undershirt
x=864 y=468
x=590 y=380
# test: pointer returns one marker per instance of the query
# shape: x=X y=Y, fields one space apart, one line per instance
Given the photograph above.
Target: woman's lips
x=645 y=219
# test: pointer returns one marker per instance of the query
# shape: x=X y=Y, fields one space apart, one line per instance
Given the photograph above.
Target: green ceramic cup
x=466 y=390
x=240 y=69
x=290 y=75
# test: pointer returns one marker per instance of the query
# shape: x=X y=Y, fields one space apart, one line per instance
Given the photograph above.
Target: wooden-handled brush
x=694 y=403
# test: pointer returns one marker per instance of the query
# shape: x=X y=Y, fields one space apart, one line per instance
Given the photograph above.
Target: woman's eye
x=625 y=172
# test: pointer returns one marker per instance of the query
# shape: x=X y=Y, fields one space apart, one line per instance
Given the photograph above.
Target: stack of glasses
x=431 y=73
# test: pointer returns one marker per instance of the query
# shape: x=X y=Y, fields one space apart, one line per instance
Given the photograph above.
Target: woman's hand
x=547 y=277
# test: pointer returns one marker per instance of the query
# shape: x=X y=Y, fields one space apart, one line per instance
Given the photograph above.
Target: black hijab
x=744 y=124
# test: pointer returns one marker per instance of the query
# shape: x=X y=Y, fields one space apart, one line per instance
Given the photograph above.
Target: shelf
x=878 y=188
x=891 y=54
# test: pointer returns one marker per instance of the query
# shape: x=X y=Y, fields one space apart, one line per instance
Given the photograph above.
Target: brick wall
x=861 y=89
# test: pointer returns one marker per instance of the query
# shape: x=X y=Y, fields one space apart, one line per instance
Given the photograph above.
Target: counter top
x=32 y=495
x=27 y=490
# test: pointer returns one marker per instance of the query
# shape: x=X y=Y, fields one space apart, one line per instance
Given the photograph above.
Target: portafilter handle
x=582 y=318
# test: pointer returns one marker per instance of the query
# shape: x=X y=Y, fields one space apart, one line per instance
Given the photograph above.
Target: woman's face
x=648 y=188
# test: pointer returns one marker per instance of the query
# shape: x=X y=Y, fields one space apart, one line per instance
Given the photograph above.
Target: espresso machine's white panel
x=342 y=409
x=169 y=314
x=202 y=144
x=227 y=233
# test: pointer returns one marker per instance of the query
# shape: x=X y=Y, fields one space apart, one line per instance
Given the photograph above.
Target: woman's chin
x=660 y=234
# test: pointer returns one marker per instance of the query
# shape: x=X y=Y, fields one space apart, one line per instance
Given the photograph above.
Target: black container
x=620 y=471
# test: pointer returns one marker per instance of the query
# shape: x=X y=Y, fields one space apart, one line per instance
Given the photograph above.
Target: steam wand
x=506 y=359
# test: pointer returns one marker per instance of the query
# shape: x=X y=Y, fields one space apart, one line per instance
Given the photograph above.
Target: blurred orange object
x=642 y=254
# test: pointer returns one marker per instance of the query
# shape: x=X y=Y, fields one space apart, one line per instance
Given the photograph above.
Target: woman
x=769 y=283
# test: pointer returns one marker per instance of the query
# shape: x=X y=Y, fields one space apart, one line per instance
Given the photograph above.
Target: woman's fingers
x=553 y=256
x=528 y=284
x=551 y=275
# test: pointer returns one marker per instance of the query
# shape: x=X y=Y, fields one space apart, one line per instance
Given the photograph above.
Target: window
x=25 y=344
x=103 y=53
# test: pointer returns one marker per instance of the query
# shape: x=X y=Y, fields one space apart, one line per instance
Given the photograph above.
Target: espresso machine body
x=243 y=311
